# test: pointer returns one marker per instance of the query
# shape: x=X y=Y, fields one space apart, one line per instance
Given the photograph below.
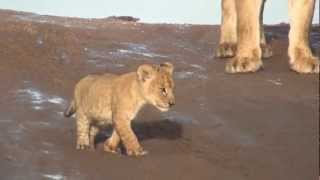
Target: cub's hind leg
x=83 y=125
x=111 y=144
x=93 y=133
x=228 y=30
x=301 y=58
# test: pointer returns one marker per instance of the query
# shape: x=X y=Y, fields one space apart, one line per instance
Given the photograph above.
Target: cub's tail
x=70 y=110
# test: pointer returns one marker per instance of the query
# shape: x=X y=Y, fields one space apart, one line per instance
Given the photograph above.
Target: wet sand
x=258 y=126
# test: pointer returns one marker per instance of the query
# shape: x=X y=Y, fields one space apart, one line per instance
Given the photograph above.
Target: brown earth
x=258 y=126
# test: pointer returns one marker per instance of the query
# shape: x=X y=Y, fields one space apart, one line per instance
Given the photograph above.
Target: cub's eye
x=163 y=91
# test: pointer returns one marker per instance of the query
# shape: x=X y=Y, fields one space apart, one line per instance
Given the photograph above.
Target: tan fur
x=248 y=35
x=301 y=58
x=116 y=99
x=228 y=30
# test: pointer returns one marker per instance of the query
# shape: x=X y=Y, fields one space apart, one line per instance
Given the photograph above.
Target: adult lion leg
x=248 y=58
x=111 y=144
x=228 y=30
x=265 y=48
x=301 y=58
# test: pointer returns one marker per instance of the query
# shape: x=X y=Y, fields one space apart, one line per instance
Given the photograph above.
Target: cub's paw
x=136 y=152
x=83 y=146
x=92 y=146
x=83 y=143
x=305 y=65
x=243 y=65
x=226 y=50
x=110 y=148
x=266 y=51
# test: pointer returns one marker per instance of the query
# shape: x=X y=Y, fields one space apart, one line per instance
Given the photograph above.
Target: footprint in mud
x=179 y=118
x=139 y=49
x=110 y=57
x=125 y=50
x=54 y=176
x=275 y=82
x=31 y=17
x=197 y=66
x=184 y=74
x=194 y=71
x=38 y=99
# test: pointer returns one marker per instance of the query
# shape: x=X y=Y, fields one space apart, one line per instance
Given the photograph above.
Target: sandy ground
x=258 y=126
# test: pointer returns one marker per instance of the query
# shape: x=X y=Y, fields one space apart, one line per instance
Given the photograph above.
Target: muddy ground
x=258 y=126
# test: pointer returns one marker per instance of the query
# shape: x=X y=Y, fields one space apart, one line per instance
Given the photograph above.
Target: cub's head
x=157 y=85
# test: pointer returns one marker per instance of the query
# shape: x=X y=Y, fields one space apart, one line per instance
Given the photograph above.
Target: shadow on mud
x=159 y=129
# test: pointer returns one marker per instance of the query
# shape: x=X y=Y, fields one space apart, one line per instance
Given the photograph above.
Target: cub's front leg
x=111 y=144
x=122 y=125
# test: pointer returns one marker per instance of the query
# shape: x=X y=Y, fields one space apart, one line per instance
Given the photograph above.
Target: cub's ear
x=168 y=67
x=145 y=72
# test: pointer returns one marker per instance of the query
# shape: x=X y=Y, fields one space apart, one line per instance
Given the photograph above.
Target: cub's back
x=93 y=88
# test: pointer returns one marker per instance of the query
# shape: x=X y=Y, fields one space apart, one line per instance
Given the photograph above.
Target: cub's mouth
x=162 y=108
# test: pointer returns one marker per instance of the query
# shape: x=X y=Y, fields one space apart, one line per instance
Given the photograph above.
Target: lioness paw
x=305 y=65
x=243 y=65
x=83 y=146
x=226 y=50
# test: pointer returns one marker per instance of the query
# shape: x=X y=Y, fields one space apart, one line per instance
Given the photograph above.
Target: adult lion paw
x=305 y=65
x=243 y=65
x=226 y=50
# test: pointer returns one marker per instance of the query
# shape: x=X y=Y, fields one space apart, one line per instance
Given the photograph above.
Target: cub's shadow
x=159 y=129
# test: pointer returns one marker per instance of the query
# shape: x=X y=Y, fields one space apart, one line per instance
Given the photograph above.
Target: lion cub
x=116 y=99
